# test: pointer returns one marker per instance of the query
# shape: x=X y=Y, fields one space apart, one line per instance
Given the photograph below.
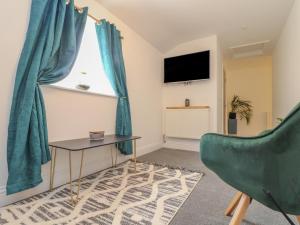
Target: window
x=88 y=74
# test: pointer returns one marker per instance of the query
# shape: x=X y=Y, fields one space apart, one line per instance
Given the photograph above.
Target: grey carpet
x=211 y=196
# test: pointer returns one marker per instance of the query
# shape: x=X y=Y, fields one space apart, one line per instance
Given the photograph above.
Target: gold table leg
x=116 y=159
x=134 y=154
x=80 y=175
x=71 y=186
x=52 y=167
x=112 y=156
x=74 y=201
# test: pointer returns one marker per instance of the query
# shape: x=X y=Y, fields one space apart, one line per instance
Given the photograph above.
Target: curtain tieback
x=123 y=97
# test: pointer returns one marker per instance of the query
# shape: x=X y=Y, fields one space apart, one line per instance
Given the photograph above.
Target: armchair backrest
x=270 y=161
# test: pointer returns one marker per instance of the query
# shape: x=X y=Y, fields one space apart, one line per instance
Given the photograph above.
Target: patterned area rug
x=152 y=195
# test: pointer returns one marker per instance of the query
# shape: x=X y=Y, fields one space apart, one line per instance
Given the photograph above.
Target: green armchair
x=253 y=165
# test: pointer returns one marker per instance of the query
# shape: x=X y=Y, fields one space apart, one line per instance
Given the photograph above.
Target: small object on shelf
x=96 y=135
x=187 y=102
x=190 y=107
x=83 y=87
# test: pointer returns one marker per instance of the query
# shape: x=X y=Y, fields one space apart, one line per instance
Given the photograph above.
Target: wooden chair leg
x=298 y=219
x=233 y=204
x=240 y=210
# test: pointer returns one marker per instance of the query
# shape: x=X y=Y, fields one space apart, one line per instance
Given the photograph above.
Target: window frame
x=74 y=89
x=78 y=91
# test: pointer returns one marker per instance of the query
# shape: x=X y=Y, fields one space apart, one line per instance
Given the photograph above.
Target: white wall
x=71 y=114
x=204 y=92
x=220 y=88
x=286 y=69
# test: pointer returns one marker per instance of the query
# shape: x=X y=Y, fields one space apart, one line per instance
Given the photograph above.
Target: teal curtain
x=109 y=39
x=50 y=49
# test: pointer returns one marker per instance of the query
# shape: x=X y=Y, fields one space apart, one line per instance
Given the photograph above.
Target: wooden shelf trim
x=190 y=107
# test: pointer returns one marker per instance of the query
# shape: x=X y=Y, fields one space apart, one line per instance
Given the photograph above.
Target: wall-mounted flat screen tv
x=189 y=67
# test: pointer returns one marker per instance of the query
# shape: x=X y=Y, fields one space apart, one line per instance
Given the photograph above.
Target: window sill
x=79 y=91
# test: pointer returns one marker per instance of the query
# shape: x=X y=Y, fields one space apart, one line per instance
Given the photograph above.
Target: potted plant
x=243 y=109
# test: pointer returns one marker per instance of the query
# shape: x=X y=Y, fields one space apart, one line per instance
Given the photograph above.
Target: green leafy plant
x=243 y=108
x=279 y=119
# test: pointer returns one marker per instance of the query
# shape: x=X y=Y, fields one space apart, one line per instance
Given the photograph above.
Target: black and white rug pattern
x=151 y=195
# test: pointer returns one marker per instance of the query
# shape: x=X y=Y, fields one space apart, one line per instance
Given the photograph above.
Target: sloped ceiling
x=167 y=23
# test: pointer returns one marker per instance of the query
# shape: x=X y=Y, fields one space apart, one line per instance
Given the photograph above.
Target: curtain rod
x=81 y=8
x=91 y=16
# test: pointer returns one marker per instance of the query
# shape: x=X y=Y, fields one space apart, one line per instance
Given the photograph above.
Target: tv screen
x=189 y=67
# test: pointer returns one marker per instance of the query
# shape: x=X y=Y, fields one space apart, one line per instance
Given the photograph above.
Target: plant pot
x=232 y=115
x=232 y=123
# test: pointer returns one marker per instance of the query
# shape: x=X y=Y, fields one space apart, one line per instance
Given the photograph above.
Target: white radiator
x=190 y=122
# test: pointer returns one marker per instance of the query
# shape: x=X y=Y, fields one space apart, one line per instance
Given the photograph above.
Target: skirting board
x=182 y=144
x=63 y=173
